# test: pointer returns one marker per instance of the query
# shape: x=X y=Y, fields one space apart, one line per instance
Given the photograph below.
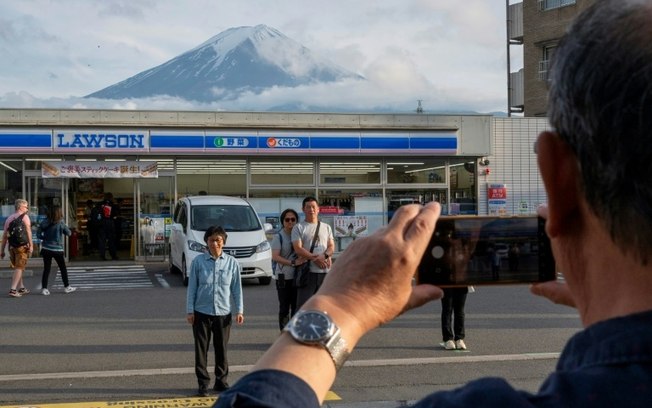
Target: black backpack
x=18 y=232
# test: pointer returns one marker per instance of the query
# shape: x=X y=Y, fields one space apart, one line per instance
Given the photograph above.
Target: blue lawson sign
x=101 y=140
x=230 y=142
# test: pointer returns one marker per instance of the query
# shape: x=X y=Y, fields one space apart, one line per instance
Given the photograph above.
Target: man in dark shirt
x=595 y=165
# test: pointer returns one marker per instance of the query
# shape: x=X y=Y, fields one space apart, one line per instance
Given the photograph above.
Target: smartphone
x=466 y=251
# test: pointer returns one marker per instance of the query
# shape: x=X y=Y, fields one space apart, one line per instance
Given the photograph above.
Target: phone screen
x=487 y=250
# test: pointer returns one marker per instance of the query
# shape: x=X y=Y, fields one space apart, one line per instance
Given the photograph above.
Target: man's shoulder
x=301 y=226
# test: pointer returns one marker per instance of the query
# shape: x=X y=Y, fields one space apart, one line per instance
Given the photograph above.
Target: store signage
x=234 y=142
x=497 y=199
x=330 y=209
x=350 y=226
x=94 y=141
x=231 y=142
x=99 y=169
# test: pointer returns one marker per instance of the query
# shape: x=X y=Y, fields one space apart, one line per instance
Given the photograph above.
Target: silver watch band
x=338 y=350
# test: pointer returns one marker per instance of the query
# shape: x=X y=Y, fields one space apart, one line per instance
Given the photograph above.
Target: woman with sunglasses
x=285 y=260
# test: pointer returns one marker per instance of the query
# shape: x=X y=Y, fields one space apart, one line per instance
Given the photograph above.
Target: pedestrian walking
x=51 y=231
x=18 y=234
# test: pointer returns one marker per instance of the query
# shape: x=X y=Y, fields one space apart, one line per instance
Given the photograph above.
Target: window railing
x=554 y=4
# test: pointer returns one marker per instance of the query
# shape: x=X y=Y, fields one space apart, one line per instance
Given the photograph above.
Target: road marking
x=195 y=402
x=198 y=402
x=161 y=280
x=454 y=359
x=247 y=368
x=107 y=277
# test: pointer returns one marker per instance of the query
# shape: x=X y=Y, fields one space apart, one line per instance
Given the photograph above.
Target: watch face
x=311 y=327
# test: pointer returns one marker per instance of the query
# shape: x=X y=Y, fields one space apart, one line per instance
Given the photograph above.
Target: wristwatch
x=315 y=328
x=326 y=255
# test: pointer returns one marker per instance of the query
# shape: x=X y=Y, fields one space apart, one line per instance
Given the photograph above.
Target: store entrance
x=86 y=197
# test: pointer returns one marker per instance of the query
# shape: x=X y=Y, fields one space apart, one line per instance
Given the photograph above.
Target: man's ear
x=561 y=177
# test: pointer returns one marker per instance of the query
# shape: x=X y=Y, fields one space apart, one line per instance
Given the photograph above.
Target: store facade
x=361 y=167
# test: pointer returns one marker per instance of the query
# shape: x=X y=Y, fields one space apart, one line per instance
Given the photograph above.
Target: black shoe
x=202 y=392
x=221 y=386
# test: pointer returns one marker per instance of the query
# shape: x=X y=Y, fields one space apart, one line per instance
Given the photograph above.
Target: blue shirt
x=52 y=235
x=212 y=284
x=608 y=364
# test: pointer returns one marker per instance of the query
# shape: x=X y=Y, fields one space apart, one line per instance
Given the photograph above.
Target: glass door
x=43 y=194
x=154 y=203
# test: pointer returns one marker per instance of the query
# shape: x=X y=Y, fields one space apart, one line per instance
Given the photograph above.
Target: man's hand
x=371 y=282
x=239 y=318
x=556 y=292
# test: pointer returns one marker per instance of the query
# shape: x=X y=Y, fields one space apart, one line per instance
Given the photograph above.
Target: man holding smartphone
x=596 y=168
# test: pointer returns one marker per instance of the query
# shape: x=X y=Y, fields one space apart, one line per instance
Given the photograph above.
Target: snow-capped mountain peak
x=240 y=59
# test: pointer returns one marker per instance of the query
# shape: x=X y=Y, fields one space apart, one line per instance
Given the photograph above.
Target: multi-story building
x=538 y=25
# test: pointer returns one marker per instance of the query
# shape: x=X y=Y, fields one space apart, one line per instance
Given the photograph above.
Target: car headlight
x=263 y=246
x=197 y=246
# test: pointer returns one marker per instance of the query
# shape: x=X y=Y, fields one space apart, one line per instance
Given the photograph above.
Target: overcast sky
x=450 y=54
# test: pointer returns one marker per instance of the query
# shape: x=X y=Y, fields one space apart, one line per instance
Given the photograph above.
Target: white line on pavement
x=246 y=368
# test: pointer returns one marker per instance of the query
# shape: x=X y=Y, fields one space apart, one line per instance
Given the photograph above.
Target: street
x=123 y=336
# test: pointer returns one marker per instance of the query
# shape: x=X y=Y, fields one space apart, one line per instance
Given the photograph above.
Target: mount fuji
x=237 y=61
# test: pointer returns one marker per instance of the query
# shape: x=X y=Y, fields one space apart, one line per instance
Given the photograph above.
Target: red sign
x=330 y=209
x=497 y=193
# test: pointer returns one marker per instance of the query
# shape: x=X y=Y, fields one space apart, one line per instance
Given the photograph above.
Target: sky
x=449 y=54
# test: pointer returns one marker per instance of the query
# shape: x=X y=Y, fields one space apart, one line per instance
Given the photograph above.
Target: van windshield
x=230 y=217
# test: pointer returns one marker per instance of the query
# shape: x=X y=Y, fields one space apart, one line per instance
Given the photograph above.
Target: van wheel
x=184 y=271
x=265 y=280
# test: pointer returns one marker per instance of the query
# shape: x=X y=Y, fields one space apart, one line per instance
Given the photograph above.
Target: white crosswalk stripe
x=105 y=277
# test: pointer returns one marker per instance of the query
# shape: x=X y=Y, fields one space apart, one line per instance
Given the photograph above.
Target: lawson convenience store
x=361 y=167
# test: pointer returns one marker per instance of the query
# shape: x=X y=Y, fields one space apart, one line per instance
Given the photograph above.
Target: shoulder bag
x=301 y=272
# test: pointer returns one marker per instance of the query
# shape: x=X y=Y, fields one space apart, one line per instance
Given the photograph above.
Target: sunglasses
x=290 y=220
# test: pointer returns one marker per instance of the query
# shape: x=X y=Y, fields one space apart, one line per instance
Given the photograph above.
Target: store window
x=431 y=171
x=11 y=184
x=351 y=213
x=155 y=199
x=342 y=171
x=462 y=186
x=397 y=198
x=215 y=177
x=284 y=171
x=270 y=203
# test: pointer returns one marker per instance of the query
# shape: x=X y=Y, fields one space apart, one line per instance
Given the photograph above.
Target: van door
x=178 y=231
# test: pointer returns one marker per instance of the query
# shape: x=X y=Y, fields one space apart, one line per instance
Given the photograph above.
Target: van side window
x=183 y=218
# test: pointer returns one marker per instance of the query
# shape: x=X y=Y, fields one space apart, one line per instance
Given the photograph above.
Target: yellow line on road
x=189 y=402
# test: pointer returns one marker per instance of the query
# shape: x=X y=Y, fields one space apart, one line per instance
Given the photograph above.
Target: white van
x=246 y=239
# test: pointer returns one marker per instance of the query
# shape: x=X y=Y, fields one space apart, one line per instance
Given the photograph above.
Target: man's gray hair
x=20 y=202
x=600 y=103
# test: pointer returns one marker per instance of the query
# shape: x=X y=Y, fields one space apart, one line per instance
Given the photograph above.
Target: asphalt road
x=123 y=336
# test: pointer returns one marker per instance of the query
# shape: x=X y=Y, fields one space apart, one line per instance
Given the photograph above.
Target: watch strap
x=338 y=350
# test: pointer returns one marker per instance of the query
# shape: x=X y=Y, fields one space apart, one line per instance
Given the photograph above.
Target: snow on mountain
x=238 y=60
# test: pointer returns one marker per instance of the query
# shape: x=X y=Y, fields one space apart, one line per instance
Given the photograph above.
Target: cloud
x=389 y=87
x=434 y=50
